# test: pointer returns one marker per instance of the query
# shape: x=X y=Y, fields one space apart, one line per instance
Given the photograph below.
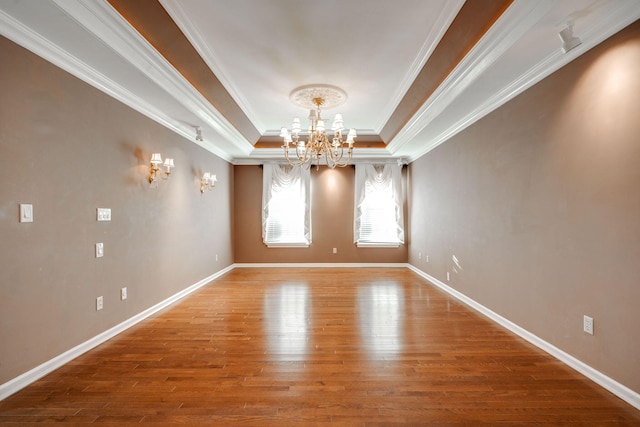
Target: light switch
x=104 y=214
x=26 y=213
x=99 y=250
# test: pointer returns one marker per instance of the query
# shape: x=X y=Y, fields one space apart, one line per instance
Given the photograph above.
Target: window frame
x=378 y=175
x=279 y=177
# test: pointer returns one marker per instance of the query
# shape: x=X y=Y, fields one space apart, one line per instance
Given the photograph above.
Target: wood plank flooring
x=344 y=346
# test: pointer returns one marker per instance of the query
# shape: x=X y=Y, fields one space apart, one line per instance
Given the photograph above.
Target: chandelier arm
x=292 y=163
x=346 y=163
x=305 y=154
x=338 y=153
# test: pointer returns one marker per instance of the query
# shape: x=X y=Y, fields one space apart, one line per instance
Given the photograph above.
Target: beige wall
x=540 y=203
x=332 y=192
x=68 y=149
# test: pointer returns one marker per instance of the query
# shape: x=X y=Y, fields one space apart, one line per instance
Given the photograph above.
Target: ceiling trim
x=361 y=155
x=591 y=37
x=102 y=20
x=102 y=23
x=177 y=13
x=510 y=26
x=445 y=18
x=41 y=46
x=470 y=25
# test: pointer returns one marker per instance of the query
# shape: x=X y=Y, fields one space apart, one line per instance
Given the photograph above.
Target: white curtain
x=286 y=213
x=379 y=201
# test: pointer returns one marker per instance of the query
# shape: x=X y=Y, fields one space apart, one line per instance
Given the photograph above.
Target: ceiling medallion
x=305 y=96
x=319 y=146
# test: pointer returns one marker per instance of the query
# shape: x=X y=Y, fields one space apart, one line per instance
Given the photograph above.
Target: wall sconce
x=154 y=167
x=207 y=182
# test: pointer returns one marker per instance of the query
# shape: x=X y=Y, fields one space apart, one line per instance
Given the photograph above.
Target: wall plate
x=26 y=212
x=99 y=250
x=103 y=214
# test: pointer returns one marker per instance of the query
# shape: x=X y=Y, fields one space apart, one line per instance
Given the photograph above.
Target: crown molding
x=195 y=37
x=360 y=155
x=102 y=20
x=99 y=19
x=515 y=22
x=592 y=36
x=444 y=20
x=39 y=45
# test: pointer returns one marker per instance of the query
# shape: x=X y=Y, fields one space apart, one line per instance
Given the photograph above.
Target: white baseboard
x=319 y=264
x=19 y=382
x=623 y=392
x=596 y=376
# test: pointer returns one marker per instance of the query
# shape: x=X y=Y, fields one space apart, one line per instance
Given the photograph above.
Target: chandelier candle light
x=319 y=145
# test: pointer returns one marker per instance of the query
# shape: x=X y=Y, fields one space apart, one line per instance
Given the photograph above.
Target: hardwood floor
x=282 y=347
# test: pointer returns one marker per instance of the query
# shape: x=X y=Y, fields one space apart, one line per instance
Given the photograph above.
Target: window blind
x=378 y=216
x=286 y=216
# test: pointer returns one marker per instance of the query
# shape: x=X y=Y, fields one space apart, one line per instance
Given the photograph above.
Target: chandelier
x=319 y=146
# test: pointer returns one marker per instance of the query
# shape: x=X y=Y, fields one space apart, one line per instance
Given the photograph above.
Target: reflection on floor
x=298 y=347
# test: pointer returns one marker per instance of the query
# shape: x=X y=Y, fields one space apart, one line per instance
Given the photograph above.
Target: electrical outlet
x=419 y=255
x=99 y=303
x=335 y=250
x=587 y=324
x=427 y=258
x=448 y=276
x=123 y=294
x=216 y=257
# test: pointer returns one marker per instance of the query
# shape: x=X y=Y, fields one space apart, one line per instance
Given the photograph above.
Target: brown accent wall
x=540 y=204
x=68 y=149
x=332 y=202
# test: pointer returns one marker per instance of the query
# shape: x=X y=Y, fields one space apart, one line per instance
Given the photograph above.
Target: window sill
x=378 y=244
x=288 y=245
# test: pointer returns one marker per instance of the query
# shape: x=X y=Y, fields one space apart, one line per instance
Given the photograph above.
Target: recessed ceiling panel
x=262 y=49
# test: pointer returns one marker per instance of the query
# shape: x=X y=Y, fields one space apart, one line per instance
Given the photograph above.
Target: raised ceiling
x=416 y=72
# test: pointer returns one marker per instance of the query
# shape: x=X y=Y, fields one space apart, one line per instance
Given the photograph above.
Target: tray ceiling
x=416 y=72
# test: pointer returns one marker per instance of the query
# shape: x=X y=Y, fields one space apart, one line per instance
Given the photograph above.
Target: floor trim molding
x=319 y=264
x=18 y=383
x=22 y=381
x=620 y=390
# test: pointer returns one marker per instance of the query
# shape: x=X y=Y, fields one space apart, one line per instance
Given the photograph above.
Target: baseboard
x=18 y=383
x=623 y=392
x=319 y=264
x=596 y=376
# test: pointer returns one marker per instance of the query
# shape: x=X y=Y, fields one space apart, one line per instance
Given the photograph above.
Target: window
x=286 y=217
x=378 y=216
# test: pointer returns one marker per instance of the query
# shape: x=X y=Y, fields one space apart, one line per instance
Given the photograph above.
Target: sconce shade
x=156 y=160
x=207 y=182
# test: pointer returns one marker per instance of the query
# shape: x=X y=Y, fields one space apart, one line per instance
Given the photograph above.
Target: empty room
x=346 y=212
